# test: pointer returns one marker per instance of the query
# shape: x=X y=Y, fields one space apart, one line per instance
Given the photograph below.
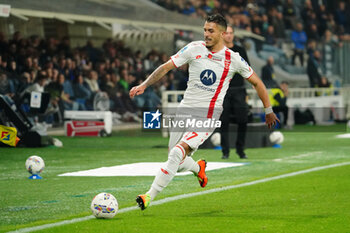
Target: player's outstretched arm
x=153 y=78
x=270 y=117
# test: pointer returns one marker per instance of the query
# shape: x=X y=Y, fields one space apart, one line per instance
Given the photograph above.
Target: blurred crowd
x=314 y=28
x=272 y=17
x=74 y=77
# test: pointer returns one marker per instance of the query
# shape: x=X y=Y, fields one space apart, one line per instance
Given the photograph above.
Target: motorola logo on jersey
x=208 y=77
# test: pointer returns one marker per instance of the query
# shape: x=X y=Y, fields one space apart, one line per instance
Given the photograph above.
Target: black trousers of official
x=235 y=108
x=284 y=110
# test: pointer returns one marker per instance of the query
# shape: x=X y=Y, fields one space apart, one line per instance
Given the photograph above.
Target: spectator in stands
x=38 y=85
x=342 y=17
x=289 y=12
x=81 y=93
x=264 y=24
x=299 y=39
x=14 y=75
x=107 y=85
x=278 y=98
x=306 y=11
x=123 y=82
x=270 y=36
x=329 y=43
x=3 y=43
x=150 y=101
x=324 y=82
x=314 y=70
x=322 y=18
x=312 y=32
x=16 y=38
x=6 y=88
x=54 y=89
x=91 y=82
x=268 y=74
x=67 y=95
x=25 y=81
x=70 y=69
x=279 y=26
x=64 y=47
x=188 y=9
x=150 y=62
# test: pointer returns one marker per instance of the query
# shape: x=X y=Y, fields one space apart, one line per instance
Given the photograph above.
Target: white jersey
x=209 y=76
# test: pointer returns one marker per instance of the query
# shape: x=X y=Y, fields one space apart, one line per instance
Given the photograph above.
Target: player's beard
x=212 y=42
x=209 y=47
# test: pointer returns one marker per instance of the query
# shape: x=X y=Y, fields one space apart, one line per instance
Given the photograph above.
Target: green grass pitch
x=313 y=202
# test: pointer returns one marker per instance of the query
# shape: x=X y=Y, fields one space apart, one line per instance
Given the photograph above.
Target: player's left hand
x=271 y=120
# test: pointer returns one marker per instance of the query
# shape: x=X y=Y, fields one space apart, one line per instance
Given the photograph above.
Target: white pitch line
x=183 y=196
x=298 y=156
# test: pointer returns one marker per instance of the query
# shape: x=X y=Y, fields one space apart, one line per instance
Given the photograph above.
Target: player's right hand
x=271 y=120
x=138 y=90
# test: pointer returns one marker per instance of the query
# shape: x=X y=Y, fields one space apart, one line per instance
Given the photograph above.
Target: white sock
x=188 y=164
x=167 y=171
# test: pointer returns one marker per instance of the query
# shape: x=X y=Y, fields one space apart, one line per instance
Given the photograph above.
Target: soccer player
x=211 y=67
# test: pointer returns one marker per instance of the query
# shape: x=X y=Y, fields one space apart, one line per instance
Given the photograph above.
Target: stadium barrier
x=326 y=103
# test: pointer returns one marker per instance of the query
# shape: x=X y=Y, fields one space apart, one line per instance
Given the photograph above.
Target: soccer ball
x=35 y=165
x=104 y=205
x=276 y=137
x=216 y=139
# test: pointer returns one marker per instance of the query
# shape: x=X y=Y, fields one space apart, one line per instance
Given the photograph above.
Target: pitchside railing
x=172 y=98
x=298 y=97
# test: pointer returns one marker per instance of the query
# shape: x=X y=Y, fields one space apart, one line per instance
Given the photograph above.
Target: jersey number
x=191 y=135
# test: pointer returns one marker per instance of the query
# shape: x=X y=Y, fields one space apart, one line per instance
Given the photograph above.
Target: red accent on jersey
x=173 y=62
x=199 y=56
x=164 y=171
x=250 y=75
x=218 y=90
x=210 y=56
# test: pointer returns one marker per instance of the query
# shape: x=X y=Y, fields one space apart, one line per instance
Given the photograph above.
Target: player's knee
x=186 y=147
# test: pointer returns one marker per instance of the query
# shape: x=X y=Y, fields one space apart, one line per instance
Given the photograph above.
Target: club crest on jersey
x=208 y=77
x=242 y=59
x=183 y=49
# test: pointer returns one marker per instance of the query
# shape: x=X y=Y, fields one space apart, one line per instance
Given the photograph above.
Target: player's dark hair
x=218 y=19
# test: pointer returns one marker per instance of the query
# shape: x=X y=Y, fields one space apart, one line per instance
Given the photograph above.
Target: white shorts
x=192 y=139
